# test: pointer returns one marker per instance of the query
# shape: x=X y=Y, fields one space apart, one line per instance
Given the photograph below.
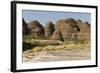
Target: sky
x=44 y=16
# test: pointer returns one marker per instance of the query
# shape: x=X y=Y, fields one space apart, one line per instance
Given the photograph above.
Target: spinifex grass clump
x=61 y=47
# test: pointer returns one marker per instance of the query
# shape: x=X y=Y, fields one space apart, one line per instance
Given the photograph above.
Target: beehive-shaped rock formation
x=67 y=27
x=36 y=29
x=49 y=29
x=57 y=35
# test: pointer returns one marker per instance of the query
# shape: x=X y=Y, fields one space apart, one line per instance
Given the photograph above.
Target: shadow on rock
x=27 y=46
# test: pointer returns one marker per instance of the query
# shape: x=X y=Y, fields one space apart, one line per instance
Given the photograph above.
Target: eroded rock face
x=67 y=27
x=49 y=29
x=57 y=35
x=63 y=30
x=36 y=29
x=85 y=31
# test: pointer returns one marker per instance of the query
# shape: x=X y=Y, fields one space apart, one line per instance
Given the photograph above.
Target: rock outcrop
x=57 y=35
x=64 y=30
x=67 y=27
x=49 y=29
x=36 y=29
x=85 y=31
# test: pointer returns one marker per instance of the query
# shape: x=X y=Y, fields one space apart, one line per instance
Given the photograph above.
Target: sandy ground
x=56 y=55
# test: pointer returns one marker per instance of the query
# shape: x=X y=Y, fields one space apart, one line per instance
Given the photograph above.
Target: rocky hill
x=36 y=29
x=64 y=30
x=67 y=27
x=49 y=29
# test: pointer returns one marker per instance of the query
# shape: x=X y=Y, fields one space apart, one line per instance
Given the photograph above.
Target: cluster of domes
x=63 y=29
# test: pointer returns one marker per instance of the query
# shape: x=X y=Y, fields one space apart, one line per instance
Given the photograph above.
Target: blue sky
x=44 y=16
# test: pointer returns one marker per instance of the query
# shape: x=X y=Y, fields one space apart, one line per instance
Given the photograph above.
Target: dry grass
x=38 y=42
x=61 y=47
x=49 y=45
x=53 y=52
